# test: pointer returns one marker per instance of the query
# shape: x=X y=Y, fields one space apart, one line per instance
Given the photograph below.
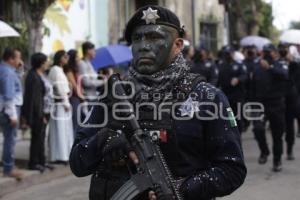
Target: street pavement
x=261 y=183
x=68 y=188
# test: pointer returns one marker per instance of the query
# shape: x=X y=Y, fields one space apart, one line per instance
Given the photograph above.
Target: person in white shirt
x=87 y=74
x=60 y=125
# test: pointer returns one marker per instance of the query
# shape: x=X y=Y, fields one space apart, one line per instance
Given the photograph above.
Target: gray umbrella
x=7 y=31
x=255 y=40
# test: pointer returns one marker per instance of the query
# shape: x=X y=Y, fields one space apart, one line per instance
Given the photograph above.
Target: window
x=1 y=9
x=208 y=36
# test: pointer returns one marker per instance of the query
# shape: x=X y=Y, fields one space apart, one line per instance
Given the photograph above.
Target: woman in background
x=60 y=127
x=33 y=110
x=71 y=71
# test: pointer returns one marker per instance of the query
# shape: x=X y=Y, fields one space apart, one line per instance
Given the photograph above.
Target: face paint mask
x=151 y=48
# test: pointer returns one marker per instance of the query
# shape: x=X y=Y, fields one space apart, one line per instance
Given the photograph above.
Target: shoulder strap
x=193 y=80
x=196 y=80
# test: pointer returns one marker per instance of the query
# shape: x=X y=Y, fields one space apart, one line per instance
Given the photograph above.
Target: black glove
x=116 y=147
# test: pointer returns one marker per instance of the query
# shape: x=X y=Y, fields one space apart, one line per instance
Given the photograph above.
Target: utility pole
x=193 y=22
x=227 y=6
x=127 y=11
x=227 y=20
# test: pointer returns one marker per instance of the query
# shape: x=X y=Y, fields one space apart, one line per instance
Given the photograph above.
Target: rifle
x=152 y=171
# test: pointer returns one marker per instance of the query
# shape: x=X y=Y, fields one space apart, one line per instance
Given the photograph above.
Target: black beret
x=251 y=46
x=228 y=49
x=152 y=14
x=283 y=45
x=269 y=47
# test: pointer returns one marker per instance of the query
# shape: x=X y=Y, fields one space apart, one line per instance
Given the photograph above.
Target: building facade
x=71 y=22
x=204 y=20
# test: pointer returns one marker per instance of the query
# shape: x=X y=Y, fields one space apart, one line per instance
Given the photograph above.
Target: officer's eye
x=136 y=38
x=155 y=36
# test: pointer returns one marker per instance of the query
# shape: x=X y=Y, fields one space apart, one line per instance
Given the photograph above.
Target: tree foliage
x=19 y=42
x=266 y=21
x=35 y=8
x=55 y=15
x=33 y=12
x=295 y=25
x=250 y=17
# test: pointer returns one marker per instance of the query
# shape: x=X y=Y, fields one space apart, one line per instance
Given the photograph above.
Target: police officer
x=188 y=53
x=294 y=69
x=269 y=82
x=251 y=60
x=205 y=66
x=291 y=100
x=232 y=79
x=205 y=151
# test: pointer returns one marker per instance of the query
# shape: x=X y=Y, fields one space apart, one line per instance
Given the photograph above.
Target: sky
x=285 y=11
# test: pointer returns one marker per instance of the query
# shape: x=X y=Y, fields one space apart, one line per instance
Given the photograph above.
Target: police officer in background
x=269 y=82
x=251 y=60
x=206 y=153
x=205 y=66
x=291 y=100
x=294 y=72
x=232 y=79
x=188 y=53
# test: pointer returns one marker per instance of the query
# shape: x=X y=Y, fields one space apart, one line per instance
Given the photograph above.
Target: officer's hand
x=117 y=147
x=151 y=195
x=264 y=64
x=234 y=81
x=133 y=157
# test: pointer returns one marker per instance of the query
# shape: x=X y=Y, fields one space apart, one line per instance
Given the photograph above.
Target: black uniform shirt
x=205 y=149
x=270 y=83
x=227 y=73
x=208 y=69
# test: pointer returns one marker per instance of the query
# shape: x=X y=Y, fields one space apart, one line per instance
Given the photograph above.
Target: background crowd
x=269 y=76
x=47 y=102
x=53 y=97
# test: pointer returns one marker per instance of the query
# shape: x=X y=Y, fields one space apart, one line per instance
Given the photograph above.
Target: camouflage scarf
x=160 y=82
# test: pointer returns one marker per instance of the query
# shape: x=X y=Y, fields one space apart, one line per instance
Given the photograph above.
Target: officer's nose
x=145 y=45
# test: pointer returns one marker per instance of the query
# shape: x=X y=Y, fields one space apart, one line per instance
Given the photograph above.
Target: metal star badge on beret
x=150 y=16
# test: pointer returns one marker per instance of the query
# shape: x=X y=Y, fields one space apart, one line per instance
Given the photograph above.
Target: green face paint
x=151 y=48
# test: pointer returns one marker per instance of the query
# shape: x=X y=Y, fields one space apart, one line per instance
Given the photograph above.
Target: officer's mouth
x=145 y=61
